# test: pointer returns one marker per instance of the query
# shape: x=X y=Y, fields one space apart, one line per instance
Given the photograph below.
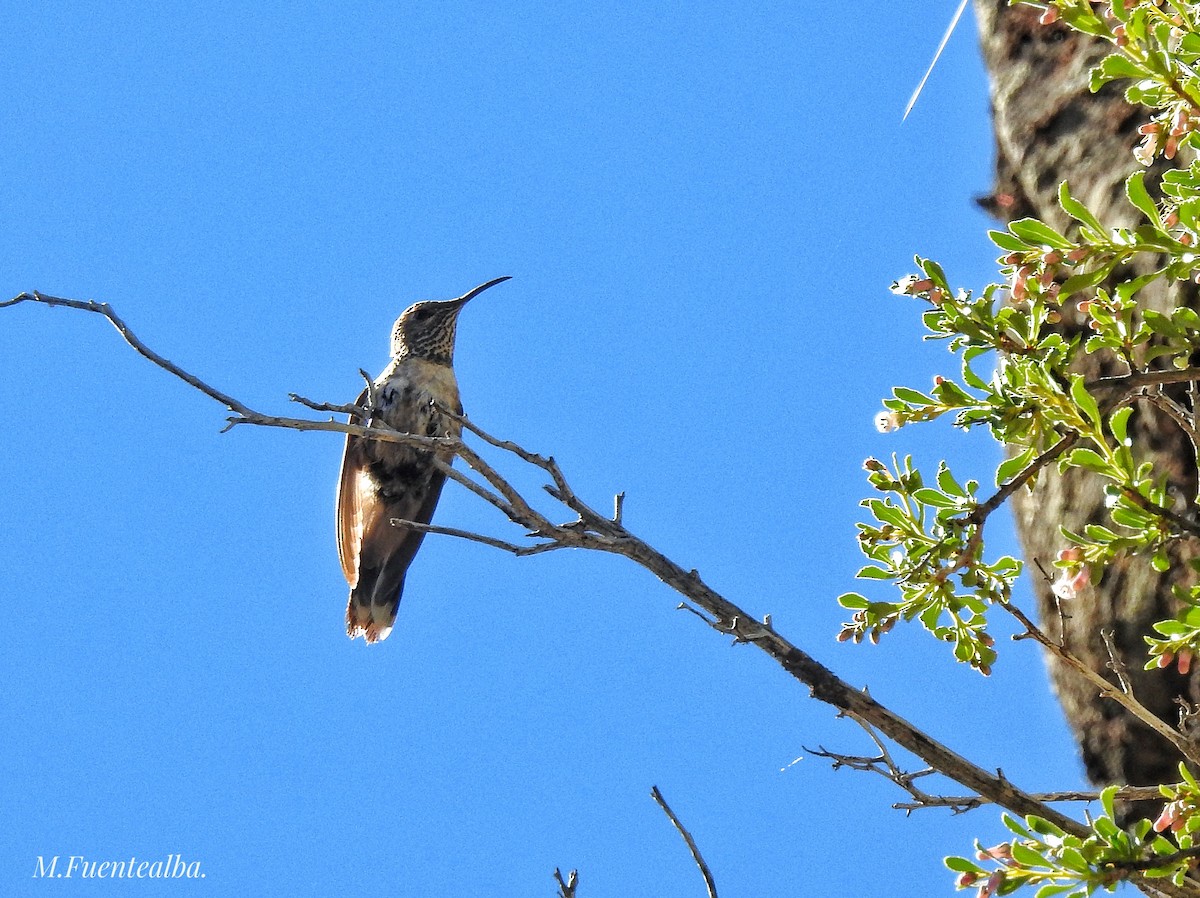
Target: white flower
x=886 y=422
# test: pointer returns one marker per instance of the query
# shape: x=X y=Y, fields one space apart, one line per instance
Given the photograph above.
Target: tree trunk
x=1050 y=128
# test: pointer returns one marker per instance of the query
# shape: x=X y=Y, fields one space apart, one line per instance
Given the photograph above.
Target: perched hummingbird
x=380 y=480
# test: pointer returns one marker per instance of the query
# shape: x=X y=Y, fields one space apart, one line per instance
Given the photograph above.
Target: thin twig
x=687 y=837
x=1128 y=702
x=1133 y=381
x=519 y=551
x=1184 y=524
x=969 y=802
x=1115 y=665
x=566 y=888
x=1058 y=604
x=1155 y=862
x=980 y=512
x=345 y=408
x=1172 y=410
x=243 y=414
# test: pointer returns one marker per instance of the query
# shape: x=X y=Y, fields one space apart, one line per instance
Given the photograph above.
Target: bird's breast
x=410 y=397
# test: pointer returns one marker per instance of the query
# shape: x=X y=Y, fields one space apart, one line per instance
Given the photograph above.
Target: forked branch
x=589 y=529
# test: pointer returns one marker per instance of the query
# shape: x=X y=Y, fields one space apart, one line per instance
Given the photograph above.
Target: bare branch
x=958 y=802
x=598 y=532
x=1186 y=525
x=981 y=511
x=1131 y=382
x=1115 y=665
x=537 y=549
x=347 y=408
x=1127 y=701
x=687 y=837
x=883 y=764
x=566 y=888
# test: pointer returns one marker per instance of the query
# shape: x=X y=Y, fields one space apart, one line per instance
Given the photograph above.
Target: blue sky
x=702 y=213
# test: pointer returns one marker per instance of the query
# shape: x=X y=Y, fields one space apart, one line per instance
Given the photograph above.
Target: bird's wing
x=350 y=523
x=422 y=514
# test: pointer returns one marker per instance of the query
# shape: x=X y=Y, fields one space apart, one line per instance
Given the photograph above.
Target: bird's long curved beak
x=471 y=294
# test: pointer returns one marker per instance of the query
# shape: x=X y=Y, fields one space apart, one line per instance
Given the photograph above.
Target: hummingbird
x=381 y=481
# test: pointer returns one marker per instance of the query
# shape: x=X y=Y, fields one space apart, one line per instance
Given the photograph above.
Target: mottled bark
x=1050 y=128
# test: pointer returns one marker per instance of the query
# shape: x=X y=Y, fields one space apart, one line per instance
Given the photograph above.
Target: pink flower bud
x=992 y=885
x=1001 y=852
x=1172 y=817
x=1184 y=661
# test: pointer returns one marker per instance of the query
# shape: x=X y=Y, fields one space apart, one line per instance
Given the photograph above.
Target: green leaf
x=1010 y=467
x=1042 y=826
x=930 y=496
x=1118 y=66
x=1052 y=889
x=948 y=484
x=1133 y=518
x=870 y=572
x=1162 y=324
x=1033 y=230
x=1085 y=279
x=970 y=378
x=1119 y=424
x=951 y=394
x=912 y=397
x=1135 y=189
x=1099 y=534
x=1186 y=318
x=1026 y=856
x=1084 y=399
x=853 y=601
x=1090 y=459
x=1106 y=800
x=1078 y=210
x=962 y=865
x=1159 y=560
x=934 y=272
x=1015 y=825
x=1008 y=242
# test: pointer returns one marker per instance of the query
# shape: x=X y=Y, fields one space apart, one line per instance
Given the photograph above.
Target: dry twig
x=687 y=837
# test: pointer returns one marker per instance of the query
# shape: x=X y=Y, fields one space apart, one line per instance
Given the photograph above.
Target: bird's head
x=426 y=329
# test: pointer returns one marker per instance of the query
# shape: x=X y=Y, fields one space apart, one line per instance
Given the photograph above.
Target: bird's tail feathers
x=371 y=614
